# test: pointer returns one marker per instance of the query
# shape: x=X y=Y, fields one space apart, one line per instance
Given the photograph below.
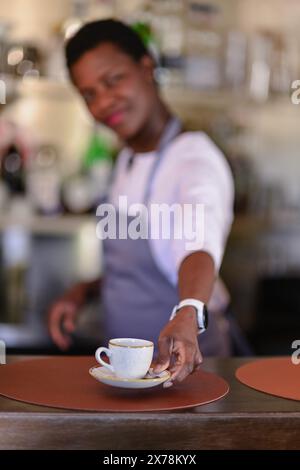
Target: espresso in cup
x=129 y=358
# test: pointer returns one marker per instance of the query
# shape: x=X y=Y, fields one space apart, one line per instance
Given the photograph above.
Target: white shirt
x=193 y=170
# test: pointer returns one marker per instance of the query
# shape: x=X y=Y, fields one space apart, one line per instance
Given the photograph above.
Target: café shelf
x=58 y=225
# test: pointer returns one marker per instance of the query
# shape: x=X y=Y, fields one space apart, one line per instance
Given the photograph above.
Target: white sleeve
x=206 y=180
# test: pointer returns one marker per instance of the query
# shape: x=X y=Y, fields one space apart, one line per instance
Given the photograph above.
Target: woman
x=145 y=278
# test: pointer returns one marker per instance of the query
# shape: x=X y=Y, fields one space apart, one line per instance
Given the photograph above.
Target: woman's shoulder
x=198 y=140
x=197 y=146
x=198 y=156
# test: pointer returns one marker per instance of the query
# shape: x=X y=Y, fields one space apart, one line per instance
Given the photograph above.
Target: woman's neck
x=148 y=138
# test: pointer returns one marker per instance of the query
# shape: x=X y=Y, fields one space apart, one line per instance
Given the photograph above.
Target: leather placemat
x=64 y=382
x=275 y=376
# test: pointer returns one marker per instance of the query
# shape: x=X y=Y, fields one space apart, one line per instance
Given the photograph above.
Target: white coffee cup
x=130 y=358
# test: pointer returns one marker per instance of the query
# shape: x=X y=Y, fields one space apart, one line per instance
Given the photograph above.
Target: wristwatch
x=201 y=310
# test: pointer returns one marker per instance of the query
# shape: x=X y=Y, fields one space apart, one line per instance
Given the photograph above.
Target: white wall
x=281 y=15
x=34 y=19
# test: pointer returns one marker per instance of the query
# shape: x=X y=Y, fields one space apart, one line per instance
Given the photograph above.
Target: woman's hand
x=178 y=348
x=63 y=315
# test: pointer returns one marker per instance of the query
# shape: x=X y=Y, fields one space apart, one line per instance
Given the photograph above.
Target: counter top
x=244 y=419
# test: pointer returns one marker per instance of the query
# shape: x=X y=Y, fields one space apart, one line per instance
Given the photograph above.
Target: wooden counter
x=245 y=419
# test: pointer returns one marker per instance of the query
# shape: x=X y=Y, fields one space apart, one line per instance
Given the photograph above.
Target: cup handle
x=98 y=357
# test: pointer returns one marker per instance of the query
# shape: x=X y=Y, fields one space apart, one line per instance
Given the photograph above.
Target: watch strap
x=200 y=308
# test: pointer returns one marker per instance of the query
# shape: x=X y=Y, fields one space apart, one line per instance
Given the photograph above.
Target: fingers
x=187 y=361
x=184 y=362
x=62 y=316
x=198 y=360
x=180 y=364
x=69 y=324
x=165 y=346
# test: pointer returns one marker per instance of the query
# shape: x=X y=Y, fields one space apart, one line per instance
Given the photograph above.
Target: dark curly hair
x=93 y=34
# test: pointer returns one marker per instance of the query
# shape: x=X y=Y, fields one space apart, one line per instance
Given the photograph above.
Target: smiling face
x=119 y=92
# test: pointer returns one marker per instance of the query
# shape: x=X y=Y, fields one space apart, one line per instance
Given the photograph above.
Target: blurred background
x=226 y=67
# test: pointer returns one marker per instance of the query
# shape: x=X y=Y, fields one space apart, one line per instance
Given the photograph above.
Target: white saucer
x=102 y=374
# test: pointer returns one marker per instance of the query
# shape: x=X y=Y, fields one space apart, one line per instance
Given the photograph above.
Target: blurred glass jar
x=167 y=19
x=281 y=64
x=78 y=195
x=44 y=181
x=204 y=46
x=23 y=60
x=260 y=54
x=13 y=170
x=16 y=253
x=236 y=59
x=168 y=25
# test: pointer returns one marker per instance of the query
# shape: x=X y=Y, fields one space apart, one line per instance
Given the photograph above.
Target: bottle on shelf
x=15 y=237
x=13 y=170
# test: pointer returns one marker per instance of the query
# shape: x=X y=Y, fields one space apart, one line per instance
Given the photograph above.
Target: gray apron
x=137 y=297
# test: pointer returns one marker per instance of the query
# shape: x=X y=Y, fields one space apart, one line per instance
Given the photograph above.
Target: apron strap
x=172 y=129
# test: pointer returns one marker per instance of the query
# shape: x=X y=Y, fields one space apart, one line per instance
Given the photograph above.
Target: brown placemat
x=64 y=382
x=275 y=376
